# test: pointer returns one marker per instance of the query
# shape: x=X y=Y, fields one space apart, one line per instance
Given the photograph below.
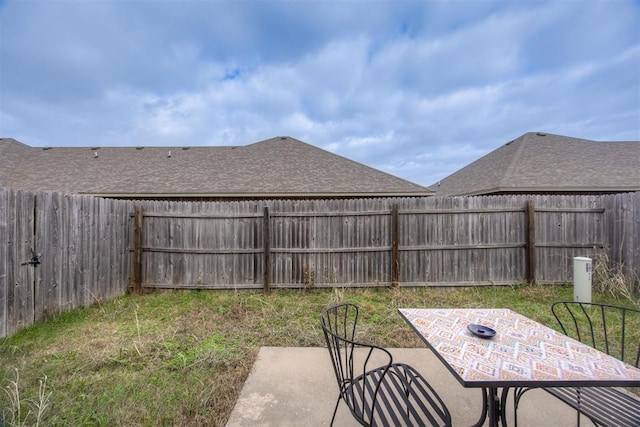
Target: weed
x=337 y=295
x=42 y=402
x=14 y=415
x=309 y=278
x=612 y=279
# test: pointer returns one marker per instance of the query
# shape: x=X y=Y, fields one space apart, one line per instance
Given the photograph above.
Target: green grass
x=181 y=358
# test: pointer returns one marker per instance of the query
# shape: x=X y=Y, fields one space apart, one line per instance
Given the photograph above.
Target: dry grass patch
x=613 y=279
x=181 y=358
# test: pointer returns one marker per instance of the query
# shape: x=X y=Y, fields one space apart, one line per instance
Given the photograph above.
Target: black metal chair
x=613 y=330
x=377 y=391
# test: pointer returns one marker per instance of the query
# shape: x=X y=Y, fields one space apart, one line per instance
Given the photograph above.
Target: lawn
x=181 y=357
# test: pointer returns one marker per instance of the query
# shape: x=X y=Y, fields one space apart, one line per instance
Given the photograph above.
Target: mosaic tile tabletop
x=523 y=352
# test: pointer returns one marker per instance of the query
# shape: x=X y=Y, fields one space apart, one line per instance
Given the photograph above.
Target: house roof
x=538 y=162
x=277 y=167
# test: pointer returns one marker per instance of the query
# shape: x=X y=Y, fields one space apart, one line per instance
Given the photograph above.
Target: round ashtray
x=481 y=331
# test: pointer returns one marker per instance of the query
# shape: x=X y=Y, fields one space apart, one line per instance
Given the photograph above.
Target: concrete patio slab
x=295 y=386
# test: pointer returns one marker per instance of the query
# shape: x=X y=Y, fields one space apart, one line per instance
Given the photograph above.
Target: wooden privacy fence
x=376 y=242
x=59 y=252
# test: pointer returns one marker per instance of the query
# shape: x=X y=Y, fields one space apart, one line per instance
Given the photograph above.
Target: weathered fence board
x=18 y=276
x=622 y=224
x=5 y=281
x=202 y=245
x=462 y=241
x=567 y=227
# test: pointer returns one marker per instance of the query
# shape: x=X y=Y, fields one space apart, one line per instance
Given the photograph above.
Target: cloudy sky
x=416 y=89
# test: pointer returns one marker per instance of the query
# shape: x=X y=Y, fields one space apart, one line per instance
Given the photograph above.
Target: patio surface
x=295 y=386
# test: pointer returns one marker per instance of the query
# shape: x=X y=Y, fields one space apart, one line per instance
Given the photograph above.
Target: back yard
x=181 y=357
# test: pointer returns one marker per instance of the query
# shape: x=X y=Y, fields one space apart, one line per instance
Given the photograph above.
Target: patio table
x=523 y=353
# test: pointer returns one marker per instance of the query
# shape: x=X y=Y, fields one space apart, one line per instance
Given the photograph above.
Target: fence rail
x=91 y=249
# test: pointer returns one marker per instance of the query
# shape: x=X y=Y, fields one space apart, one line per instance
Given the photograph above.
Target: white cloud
x=418 y=89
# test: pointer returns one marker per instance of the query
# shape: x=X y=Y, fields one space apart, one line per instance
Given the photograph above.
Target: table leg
x=493 y=406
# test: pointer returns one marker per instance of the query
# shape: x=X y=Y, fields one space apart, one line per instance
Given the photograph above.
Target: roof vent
x=541 y=134
x=169 y=154
x=139 y=148
x=46 y=148
x=95 y=154
x=283 y=138
x=95 y=148
x=185 y=148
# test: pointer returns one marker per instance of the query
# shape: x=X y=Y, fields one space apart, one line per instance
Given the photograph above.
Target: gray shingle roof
x=277 y=167
x=539 y=162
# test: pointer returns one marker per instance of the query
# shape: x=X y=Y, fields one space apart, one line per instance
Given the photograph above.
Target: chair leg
x=517 y=394
x=335 y=411
x=515 y=406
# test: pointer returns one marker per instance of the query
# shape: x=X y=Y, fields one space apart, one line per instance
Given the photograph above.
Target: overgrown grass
x=181 y=358
x=614 y=279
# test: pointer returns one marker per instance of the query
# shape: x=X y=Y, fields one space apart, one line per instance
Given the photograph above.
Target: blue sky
x=416 y=89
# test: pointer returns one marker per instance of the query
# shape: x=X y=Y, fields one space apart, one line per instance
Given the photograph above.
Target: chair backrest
x=350 y=358
x=339 y=328
x=612 y=329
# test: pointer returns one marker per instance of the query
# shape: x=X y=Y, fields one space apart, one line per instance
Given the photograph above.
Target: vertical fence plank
x=137 y=251
x=531 y=242
x=45 y=243
x=266 y=260
x=395 y=262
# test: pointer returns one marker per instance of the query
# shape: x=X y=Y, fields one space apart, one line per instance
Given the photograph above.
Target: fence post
x=266 y=263
x=395 y=266
x=137 y=251
x=530 y=258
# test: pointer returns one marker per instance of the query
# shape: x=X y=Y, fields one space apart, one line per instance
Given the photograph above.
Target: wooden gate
x=17 y=223
x=59 y=252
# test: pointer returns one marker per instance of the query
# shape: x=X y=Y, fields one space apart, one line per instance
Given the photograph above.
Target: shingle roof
x=539 y=162
x=277 y=167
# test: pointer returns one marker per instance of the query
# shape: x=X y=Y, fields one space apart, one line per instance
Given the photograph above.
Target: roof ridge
x=322 y=151
x=520 y=141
